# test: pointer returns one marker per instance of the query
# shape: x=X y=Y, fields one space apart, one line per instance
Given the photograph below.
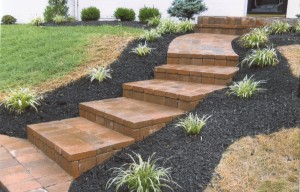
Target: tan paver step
x=131 y=117
x=203 y=49
x=195 y=73
x=177 y=94
x=23 y=167
x=77 y=144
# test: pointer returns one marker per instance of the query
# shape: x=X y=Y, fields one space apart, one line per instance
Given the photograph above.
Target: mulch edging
x=134 y=24
x=193 y=160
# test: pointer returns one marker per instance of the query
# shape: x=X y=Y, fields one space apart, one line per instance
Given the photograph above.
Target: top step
x=201 y=48
x=234 y=25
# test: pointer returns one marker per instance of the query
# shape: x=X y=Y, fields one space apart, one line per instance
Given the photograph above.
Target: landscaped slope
x=193 y=159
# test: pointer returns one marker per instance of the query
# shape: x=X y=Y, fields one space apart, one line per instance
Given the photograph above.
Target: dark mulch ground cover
x=63 y=103
x=194 y=159
x=135 y=24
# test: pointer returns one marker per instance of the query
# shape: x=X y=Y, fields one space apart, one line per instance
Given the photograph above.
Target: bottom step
x=24 y=168
x=77 y=144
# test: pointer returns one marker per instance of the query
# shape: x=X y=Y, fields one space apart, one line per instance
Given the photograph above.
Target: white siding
x=293 y=8
x=25 y=11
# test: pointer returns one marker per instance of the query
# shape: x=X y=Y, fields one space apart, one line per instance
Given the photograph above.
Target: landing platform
x=203 y=45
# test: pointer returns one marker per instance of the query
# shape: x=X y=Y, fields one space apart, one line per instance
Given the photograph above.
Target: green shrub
x=245 y=88
x=56 y=7
x=90 y=14
x=151 y=35
x=58 y=19
x=186 y=9
x=298 y=15
x=20 y=99
x=154 y=21
x=99 y=74
x=147 y=13
x=70 y=19
x=185 y=26
x=192 y=124
x=167 y=26
x=142 y=50
x=261 y=57
x=8 y=20
x=125 y=14
x=37 y=21
x=141 y=176
x=279 y=27
x=254 y=39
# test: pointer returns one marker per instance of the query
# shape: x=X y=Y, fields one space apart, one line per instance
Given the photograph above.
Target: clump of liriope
x=37 y=21
x=59 y=19
x=261 y=57
x=18 y=100
x=255 y=38
x=185 y=26
x=192 y=124
x=297 y=27
x=142 y=50
x=141 y=176
x=246 y=88
x=279 y=27
x=151 y=35
x=99 y=73
x=167 y=26
x=154 y=21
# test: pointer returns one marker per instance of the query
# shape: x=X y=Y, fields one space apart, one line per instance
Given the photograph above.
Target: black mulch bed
x=193 y=160
x=63 y=103
x=135 y=24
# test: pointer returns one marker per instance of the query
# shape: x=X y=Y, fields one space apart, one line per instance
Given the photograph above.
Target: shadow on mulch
x=193 y=160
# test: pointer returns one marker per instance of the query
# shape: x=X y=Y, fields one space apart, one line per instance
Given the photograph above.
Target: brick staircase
x=197 y=65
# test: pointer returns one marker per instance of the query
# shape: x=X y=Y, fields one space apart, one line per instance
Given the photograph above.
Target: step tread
x=130 y=112
x=217 y=71
x=23 y=167
x=79 y=138
x=174 y=89
x=203 y=45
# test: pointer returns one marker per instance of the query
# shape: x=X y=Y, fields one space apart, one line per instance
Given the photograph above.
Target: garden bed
x=192 y=159
x=135 y=24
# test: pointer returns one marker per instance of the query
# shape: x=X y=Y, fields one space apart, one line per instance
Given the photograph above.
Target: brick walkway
x=198 y=64
x=25 y=168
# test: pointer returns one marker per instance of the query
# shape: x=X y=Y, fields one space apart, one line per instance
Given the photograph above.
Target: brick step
x=203 y=49
x=77 y=144
x=131 y=117
x=177 y=94
x=196 y=73
x=23 y=167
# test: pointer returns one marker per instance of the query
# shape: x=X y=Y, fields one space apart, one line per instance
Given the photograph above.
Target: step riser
x=219 y=30
x=171 y=101
x=74 y=168
x=138 y=134
x=181 y=59
x=192 y=79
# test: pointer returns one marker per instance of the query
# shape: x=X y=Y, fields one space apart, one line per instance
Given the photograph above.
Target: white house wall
x=25 y=11
x=293 y=8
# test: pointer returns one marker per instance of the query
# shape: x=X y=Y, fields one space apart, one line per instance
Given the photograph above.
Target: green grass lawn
x=31 y=55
